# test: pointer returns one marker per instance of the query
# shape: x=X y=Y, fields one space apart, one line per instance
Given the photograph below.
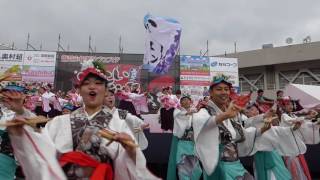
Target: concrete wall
x=278 y=55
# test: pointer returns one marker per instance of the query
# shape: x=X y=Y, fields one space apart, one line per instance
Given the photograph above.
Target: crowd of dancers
x=84 y=135
x=210 y=137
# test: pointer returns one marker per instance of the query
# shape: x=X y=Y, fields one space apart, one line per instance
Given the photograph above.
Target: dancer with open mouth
x=77 y=139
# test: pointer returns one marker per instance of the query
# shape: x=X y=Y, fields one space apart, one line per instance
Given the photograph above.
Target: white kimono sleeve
x=256 y=121
x=206 y=135
x=246 y=147
x=309 y=132
x=37 y=155
x=134 y=124
x=286 y=120
x=181 y=122
x=283 y=139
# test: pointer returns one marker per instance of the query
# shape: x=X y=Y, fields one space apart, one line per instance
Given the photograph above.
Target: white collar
x=92 y=115
x=111 y=110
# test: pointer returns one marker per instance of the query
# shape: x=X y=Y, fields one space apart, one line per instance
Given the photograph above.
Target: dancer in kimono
x=75 y=98
x=175 y=97
x=135 y=124
x=8 y=166
x=38 y=102
x=48 y=104
x=268 y=165
x=140 y=103
x=126 y=100
x=183 y=161
x=30 y=102
x=308 y=131
x=220 y=138
x=264 y=103
x=7 y=162
x=73 y=139
x=168 y=102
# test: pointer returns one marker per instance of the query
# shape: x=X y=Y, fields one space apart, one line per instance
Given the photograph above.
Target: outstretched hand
x=312 y=114
x=14 y=101
x=297 y=125
x=232 y=110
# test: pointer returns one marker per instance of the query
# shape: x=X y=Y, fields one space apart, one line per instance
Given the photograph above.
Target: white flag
x=162 y=43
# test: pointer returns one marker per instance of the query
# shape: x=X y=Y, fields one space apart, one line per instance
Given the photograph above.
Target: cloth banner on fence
x=28 y=66
x=39 y=58
x=11 y=57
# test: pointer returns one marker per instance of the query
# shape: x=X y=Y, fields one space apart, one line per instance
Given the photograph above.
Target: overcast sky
x=250 y=23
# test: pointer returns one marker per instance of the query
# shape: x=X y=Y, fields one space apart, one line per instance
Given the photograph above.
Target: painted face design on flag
x=156 y=49
x=162 y=42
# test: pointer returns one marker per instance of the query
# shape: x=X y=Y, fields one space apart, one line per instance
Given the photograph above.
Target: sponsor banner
x=196 y=73
x=194 y=76
x=227 y=67
x=11 y=57
x=219 y=64
x=81 y=58
x=38 y=74
x=194 y=66
x=39 y=58
x=28 y=66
